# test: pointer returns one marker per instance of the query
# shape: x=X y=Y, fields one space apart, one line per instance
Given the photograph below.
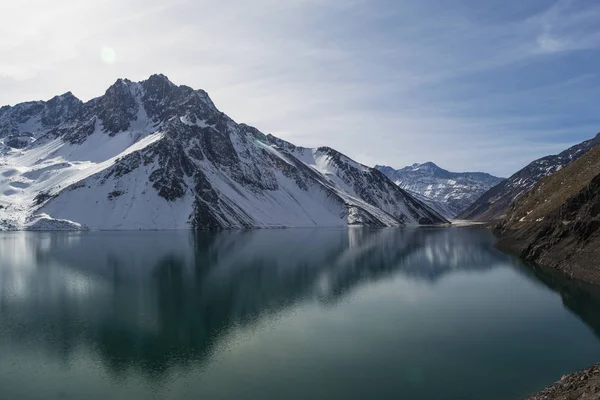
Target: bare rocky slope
x=155 y=155
x=494 y=203
x=557 y=223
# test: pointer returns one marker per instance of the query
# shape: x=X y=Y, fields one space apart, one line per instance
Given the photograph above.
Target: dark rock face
x=78 y=133
x=117 y=108
x=60 y=109
x=19 y=141
x=557 y=224
x=449 y=192
x=174 y=167
x=38 y=117
x=163 y=100
x=494 y=204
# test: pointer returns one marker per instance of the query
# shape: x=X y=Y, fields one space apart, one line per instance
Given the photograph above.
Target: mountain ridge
x=447 y=192
x=494 y=204
x=155 y=155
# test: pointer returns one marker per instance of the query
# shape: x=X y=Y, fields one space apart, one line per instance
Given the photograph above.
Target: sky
x=471 y=85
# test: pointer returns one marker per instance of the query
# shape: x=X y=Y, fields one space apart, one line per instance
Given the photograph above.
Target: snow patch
x=44 y=222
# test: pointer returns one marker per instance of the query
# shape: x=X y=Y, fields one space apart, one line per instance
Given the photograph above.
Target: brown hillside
x=553 y=191
x=557 y=223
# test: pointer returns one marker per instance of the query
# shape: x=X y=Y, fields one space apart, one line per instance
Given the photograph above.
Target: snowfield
x=47 y=168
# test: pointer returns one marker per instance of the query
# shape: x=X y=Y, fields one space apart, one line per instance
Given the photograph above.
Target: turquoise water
x=284 y=314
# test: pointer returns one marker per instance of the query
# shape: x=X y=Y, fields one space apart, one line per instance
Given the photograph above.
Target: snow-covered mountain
x=449 y=193
x=494 y=203
x=154 y=155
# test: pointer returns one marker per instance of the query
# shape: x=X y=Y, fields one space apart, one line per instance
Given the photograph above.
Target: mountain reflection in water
x=146 y=308
x=156 y=297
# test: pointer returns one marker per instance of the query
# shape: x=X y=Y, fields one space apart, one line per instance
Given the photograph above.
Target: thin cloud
x=384 y=82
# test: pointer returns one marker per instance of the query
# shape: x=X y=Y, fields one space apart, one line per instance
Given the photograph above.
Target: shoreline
x=580 y=385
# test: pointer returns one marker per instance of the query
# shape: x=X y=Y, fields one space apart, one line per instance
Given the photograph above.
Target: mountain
x=495 y=202
x=38 y=116
x=557 y=224
x=449 y=193
x=154 y=155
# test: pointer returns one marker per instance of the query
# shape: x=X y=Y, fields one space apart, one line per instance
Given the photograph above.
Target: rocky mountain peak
x=38 y=117
x=121 y=88
x=158 y=86
x=447 y=192
x=118 y=107
x=163 y=100
x=160 y=78
x=67 y=97
x=429 y=164
x=161 y=156
x=427 y=167
x=60 y=109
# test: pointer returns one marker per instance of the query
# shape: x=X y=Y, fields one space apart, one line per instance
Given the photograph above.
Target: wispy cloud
x=568 y=25
x=479 y=86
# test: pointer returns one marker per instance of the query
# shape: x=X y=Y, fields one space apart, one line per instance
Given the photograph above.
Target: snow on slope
x=47 y=168
x=154 y=155
x=359 y=182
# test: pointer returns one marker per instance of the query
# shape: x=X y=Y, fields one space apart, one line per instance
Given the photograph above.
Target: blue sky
x=471 y=85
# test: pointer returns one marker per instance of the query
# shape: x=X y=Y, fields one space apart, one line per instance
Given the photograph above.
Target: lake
x=425 y=313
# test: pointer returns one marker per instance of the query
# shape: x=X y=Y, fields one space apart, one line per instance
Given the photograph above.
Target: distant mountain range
x=449 y=193
x=155 y=155
x=495 y=202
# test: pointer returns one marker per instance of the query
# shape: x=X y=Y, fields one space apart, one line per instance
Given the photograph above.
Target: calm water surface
x=284 y=314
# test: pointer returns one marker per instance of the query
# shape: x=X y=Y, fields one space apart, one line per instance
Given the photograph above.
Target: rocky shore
x=582 y=385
